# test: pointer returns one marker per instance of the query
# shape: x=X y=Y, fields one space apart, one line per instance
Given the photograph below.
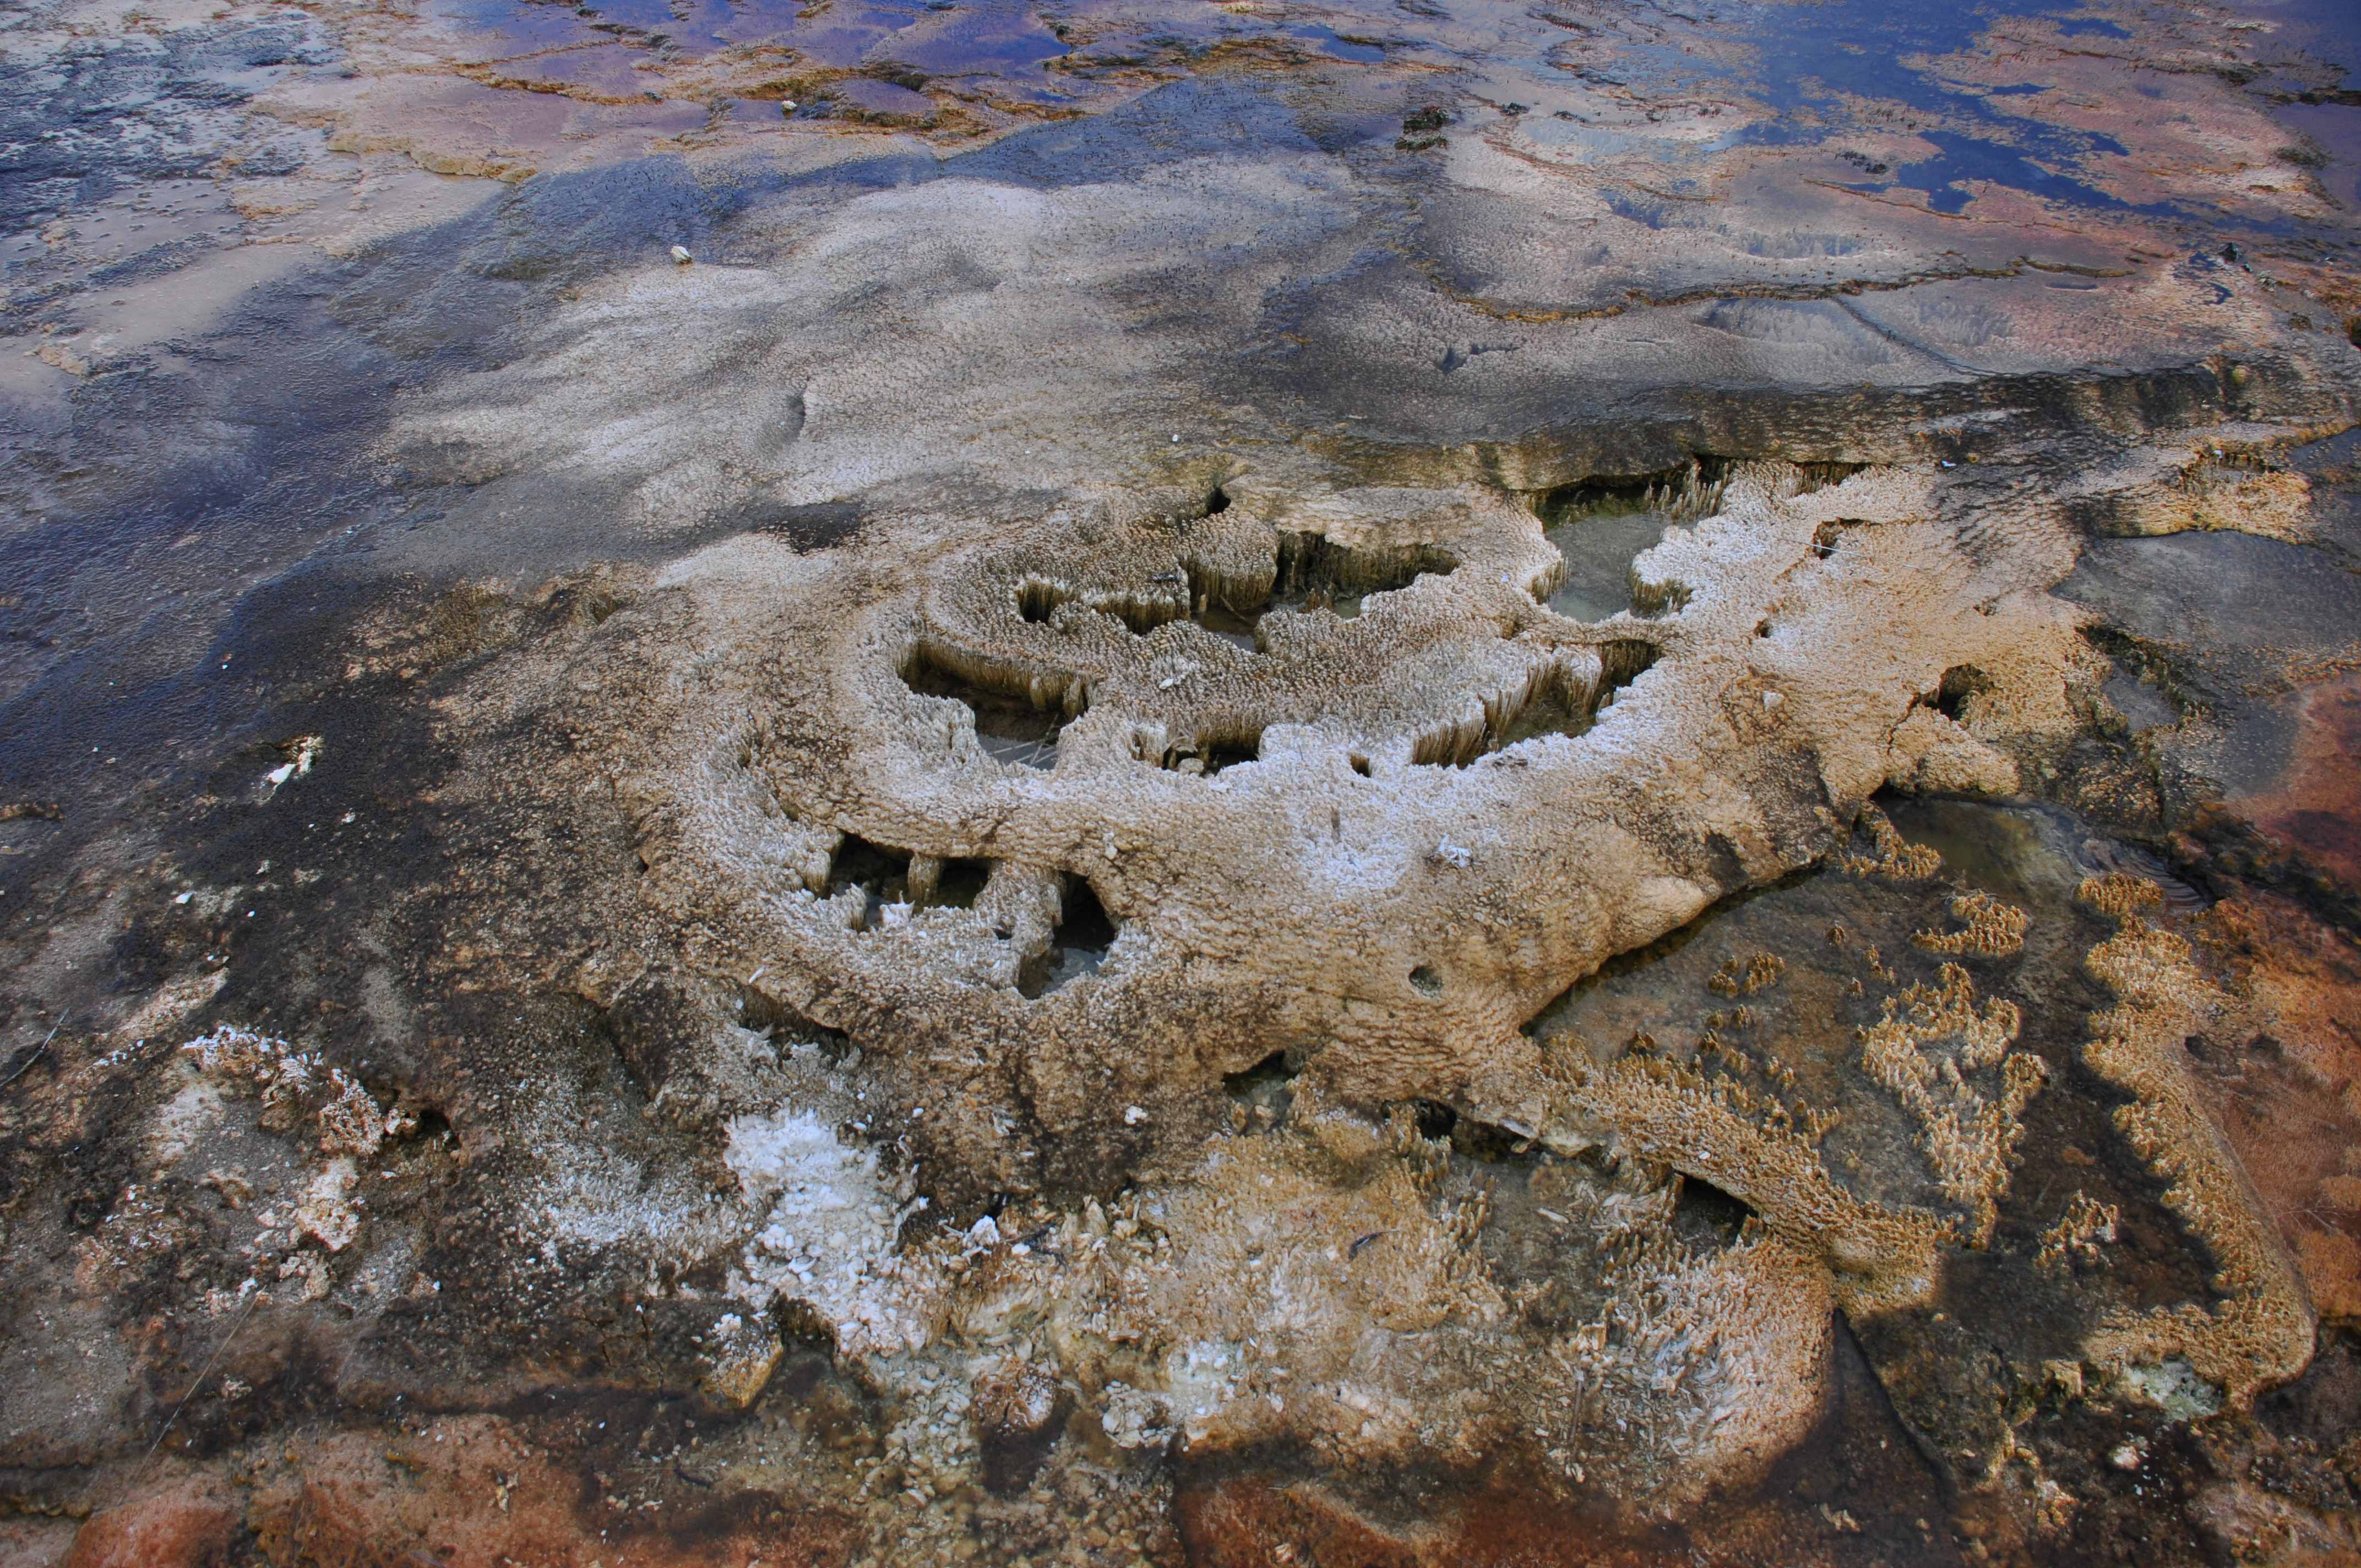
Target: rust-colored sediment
x=2289 y=1092
x=475 y=1492
x=2317 y=812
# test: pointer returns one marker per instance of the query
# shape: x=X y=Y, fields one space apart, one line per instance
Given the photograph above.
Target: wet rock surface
x=1449 y=784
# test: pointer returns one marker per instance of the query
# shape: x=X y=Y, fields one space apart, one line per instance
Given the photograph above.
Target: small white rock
x=680 y=254
x=1133 y=1116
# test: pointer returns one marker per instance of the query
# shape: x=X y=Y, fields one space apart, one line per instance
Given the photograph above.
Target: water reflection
x=1598 y=548
x=2327 y=34
x=1600 y=526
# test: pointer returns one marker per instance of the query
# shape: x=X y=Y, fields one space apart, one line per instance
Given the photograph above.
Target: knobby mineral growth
x=887 y=784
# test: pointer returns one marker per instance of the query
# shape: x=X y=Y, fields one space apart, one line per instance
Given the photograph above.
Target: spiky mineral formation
x=1369 y=845
x=1521 y=795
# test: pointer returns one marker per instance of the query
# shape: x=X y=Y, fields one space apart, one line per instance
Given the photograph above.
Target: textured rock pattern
x=870 y=783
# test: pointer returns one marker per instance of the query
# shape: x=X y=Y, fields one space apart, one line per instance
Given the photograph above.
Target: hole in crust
x=1143 y=610
x=1680 y=495
x=1960 y=682
x=1820 y=475
x=1228 y=753
x=1311 y=572
x=1017 y=716
x=1426 y=980
x=1558 y=705
x=1261 y=1095
x=1312 y=568
x=1436 y=1120
x=1360 y=764
x=1621 y=662
x=881 y=871
x=1078 y=944
x=1228 y=624
x=1037 y=600
x=1209 y=753
x=433 y=1124
x=1481 y=1141
x=1600 y=524
x=1701 y=1205
x=946 y=883
x=1272 y=1068
x=782 y=1025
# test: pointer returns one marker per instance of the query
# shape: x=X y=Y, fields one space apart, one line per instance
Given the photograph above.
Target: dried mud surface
x=1105 y=783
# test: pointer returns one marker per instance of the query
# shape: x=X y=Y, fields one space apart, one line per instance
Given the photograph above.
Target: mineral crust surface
x=1112 y=783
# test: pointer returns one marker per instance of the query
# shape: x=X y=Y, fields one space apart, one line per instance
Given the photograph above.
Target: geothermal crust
x=1370 y=848
x=974 y=876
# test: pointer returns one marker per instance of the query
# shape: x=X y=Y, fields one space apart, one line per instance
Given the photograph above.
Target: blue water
x=1325 y=37
x=2091 y=27
x=1814 y=64
x=2326 y=33
x=1814 y=60
x=1964 y=159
